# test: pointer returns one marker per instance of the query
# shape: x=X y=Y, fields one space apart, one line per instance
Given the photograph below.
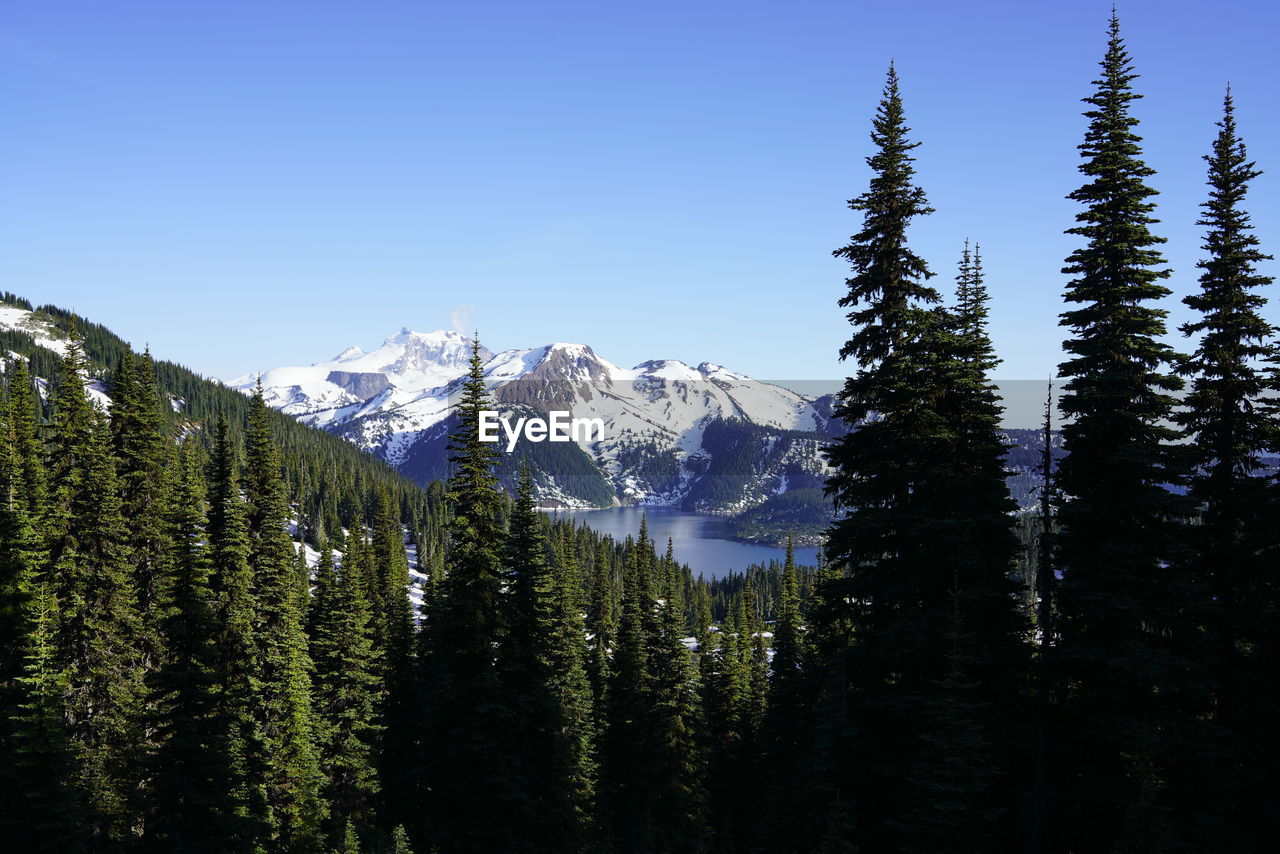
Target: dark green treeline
x=1122 y=704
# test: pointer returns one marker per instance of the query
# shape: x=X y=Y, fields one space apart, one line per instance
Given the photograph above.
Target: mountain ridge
x=661 y=405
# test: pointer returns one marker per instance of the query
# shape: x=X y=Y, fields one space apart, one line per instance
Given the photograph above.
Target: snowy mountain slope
x=395 y=402
x=40 y=329
x=405 y=365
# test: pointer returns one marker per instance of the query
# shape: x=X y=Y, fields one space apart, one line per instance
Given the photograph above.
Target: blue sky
x=244 y=185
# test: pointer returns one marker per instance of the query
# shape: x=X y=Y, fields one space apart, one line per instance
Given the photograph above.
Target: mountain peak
x=352 y=352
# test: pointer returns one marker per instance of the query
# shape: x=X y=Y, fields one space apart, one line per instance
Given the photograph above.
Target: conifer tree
x=395 y=618
x=924 y=526
x=99 y=630
x=191 y=766
x=783 y=731
x=571 y=688
x=734 y=706
x=231 y=583
x=1231 y=425
x=54 y=814
x=400 y=841
x=345 y=689
x=385 y=580
x=541 y=815
x=141 y=452
x=1128 y=621
x=467 y=771
x=285 y=715
x=626 y=760
x=22 y=508
x=787 y=633
x=679 y=810
x=976 y=714
x=886 y=542
x=601 y=627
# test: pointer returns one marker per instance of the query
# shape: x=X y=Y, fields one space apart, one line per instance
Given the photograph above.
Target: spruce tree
x=601 y=628
x=51 y=803
x=783 y=731
x=345 y=689
x=1128 y=621
x=99 y=630
x=141 y=452
x=541 y=814
x=385 y=581
x=571 y=688
x=1231 y=425
x=679 y=810
x=466 y=768
x=882 y=535
x=231 y=582
x=626 y=757
x=191 y=767
x=22 y=509
x=924 y=540
x=285 y=715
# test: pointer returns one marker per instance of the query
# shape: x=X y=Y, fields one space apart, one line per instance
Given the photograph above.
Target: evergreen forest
x=224 y=631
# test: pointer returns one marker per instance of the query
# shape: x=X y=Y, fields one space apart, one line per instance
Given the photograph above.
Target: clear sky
x=244 y=185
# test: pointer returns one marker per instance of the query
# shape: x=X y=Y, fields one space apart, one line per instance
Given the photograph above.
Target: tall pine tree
x=466 y=769
x=231 y=583
x=345 y=692
x=1227 y=416
x=1128 y=623
x=285 y=715
x=99 y=631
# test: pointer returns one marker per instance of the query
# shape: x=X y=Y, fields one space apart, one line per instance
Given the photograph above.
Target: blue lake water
x=699 y=540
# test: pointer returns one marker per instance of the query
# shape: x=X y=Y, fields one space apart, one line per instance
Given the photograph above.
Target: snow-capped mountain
x=405 y=365
x=395 y=402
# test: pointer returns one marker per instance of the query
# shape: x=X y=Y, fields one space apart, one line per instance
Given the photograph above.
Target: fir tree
x=22 y=509
x=571 y=688
x=734 y=707
x=191 y=767
x=601 y=627
x=141 y=452
x=884 y=539
x=52 y=805
x=231 y=582
x=626 y=760
x=541 y=815
x=385 y=581
x=1231 y=425
x=679 y=810
x=784 y=725
x=925 y=524
x=285 y=716
x=346 y=685
x=466 y=768
x=99 y=628
x=1127 y=618
x=400 y=841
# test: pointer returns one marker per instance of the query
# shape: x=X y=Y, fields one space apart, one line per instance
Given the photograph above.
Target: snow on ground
x=46 y=335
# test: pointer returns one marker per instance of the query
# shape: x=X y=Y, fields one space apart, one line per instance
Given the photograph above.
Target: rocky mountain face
x=705 y=438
